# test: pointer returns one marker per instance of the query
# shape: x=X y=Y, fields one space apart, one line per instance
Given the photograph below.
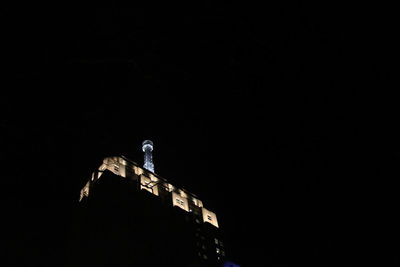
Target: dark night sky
x=258 y=112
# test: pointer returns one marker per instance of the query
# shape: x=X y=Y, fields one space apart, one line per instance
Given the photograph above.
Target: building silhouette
x=130 y=216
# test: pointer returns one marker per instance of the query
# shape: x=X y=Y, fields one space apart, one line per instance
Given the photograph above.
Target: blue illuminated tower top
x=147 y=147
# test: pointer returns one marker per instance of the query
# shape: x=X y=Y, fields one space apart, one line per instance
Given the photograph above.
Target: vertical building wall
x=210 y=217
x=180 y=201
x=149 y=184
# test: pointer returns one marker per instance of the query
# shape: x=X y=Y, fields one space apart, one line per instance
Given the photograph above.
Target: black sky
x=258 y=112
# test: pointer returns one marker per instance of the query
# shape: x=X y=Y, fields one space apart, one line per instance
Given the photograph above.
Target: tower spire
x=147 y=147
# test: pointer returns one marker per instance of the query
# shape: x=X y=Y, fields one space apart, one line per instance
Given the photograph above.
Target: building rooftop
x=151 y=182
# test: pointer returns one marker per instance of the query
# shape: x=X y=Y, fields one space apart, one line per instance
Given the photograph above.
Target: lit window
x=180 y=202
x=203 y=246
x=223 y=253
x=221 y=244
x=205 y=256
x=216 y=241
x=197 y=220
x=218 y=251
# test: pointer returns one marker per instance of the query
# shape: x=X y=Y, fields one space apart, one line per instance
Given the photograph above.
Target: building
x=230 y=264
x=130 y=216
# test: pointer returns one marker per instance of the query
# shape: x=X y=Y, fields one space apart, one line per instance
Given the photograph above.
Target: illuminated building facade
x=131 y=216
